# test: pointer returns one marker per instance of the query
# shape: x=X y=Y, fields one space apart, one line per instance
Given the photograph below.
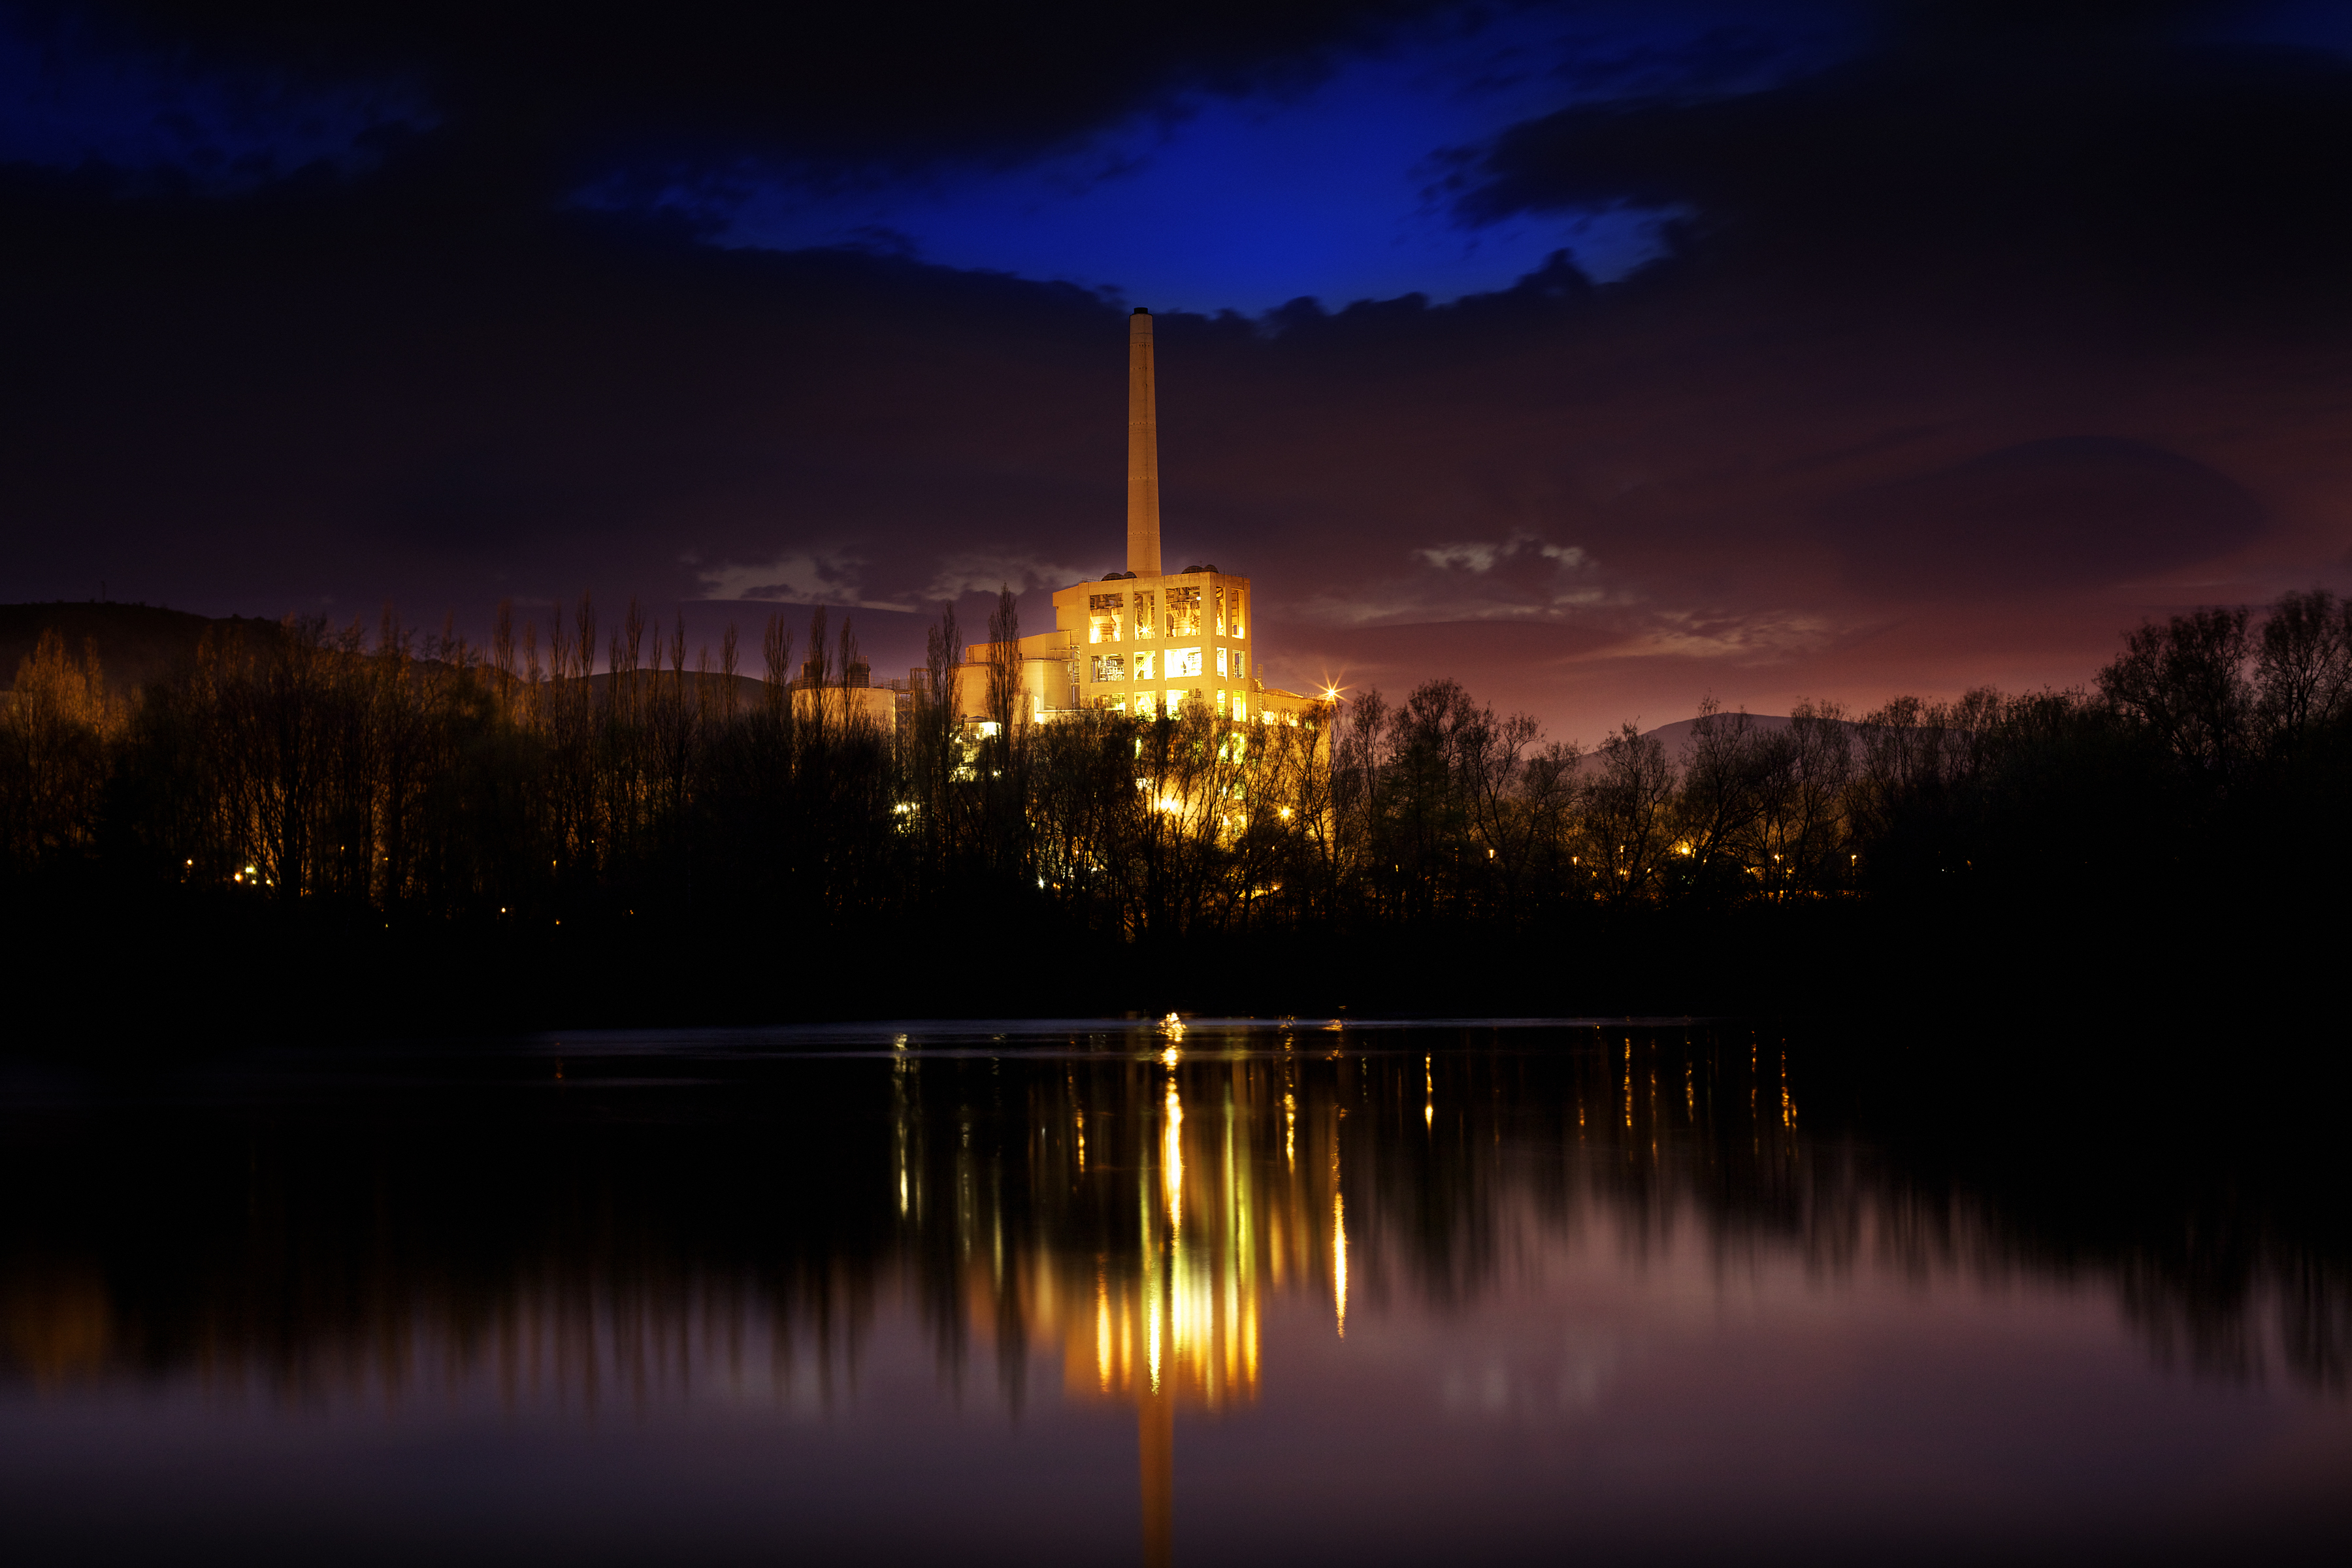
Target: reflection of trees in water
x=1132 y=1216
x=2217 y=1233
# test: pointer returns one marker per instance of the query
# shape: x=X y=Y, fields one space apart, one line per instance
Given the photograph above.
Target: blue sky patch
x=1345 y=189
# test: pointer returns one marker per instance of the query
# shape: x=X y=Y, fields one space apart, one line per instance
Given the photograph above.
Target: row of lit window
x=1108 y=620
x=1151 y=704
x=1180 y=664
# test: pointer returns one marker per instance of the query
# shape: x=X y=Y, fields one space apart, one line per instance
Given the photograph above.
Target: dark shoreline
x=177 y=969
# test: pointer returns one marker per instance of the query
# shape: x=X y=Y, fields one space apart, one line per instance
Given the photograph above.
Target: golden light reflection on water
x=1138 y=1210
x=1171 y=1156
x=1339 y=1262
x=1179 y=1318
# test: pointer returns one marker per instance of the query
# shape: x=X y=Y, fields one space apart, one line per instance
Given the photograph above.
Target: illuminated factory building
x=1142 y=641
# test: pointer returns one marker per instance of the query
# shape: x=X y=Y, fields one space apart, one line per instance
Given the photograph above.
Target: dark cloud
x=2069 y=512
x=2050 y=150
x=1971 y=356
x=889 y=81
x=76 y=93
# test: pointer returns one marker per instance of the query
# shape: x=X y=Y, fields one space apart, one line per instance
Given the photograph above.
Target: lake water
x=1096 y=1293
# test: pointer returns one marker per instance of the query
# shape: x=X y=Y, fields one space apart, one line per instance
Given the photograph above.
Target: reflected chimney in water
x=1155 y=1428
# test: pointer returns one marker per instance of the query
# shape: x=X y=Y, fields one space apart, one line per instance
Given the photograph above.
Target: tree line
x=390 y=780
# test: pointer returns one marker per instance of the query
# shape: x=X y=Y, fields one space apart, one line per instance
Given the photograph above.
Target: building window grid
x=1207 y=611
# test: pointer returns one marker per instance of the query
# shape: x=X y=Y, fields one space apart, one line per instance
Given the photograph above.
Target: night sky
x=1603 y=356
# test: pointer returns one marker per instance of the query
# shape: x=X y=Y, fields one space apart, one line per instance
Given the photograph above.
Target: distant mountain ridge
x=1678 y=736
x=137 y=644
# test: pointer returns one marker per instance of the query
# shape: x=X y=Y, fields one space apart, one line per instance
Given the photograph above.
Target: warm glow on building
x=1142 y=641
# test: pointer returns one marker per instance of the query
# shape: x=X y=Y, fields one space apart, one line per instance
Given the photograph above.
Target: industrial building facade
x=1142 y=641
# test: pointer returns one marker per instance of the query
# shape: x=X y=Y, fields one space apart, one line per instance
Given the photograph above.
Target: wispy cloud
x=799 y=577
x=839 y=577
x=1527 y=579
x=1521 y=577
x=981 y=572
x=1698 y=634
x=1482 y=557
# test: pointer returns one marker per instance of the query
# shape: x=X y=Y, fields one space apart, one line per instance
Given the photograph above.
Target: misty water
x=1210 y=1292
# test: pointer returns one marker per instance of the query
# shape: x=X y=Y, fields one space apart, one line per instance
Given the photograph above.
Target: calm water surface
x=1103 y=1293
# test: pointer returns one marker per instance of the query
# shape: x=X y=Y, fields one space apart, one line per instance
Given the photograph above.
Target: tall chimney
x=1142 y=449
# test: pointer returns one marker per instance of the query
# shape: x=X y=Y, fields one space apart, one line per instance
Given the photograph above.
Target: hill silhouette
x=140 y=645
x=1677 y=737
x=137 y=645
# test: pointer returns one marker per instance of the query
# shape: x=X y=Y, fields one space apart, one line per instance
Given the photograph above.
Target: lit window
x=1218 y=596
x=1238 y=597
x=1183 y=662
x=1221 y=661
x=1241 y=707
x=1183 y=612
x=1103 y=616
x=1143 y=707
x=1240 y=664
x=1221 y=703
x=1109 y=667
x=1145 y=626
x=1175 y=704
x=1111 y=704
x=1143 y=667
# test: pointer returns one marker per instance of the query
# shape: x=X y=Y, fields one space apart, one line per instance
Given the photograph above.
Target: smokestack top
x=1141 y=311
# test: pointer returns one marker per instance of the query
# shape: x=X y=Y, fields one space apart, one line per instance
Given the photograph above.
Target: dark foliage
x=378 y=833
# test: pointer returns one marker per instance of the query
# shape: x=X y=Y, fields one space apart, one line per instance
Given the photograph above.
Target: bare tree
x=2186 y=680
x=2304 y=673
x=57 y=729
x=1628 y=821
